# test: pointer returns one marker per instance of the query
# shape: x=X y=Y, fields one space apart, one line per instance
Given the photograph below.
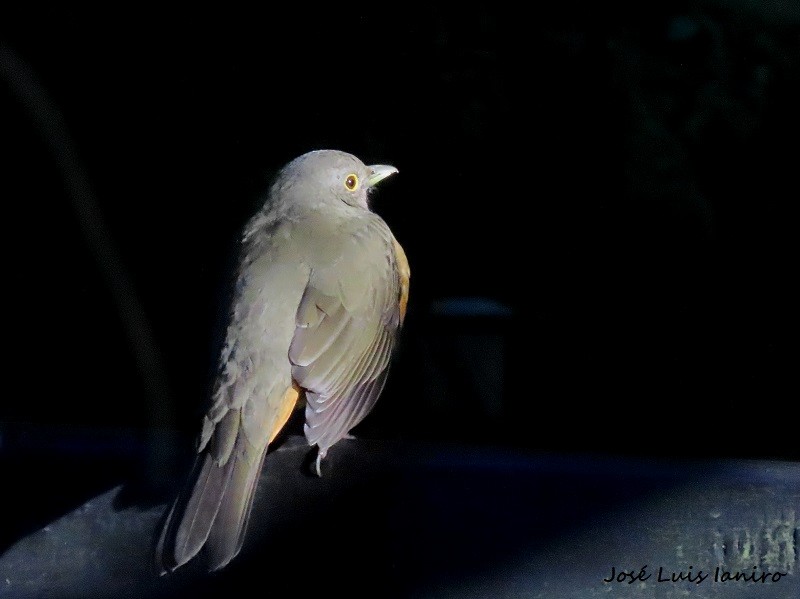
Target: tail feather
x=230 y=525
x=213 y=511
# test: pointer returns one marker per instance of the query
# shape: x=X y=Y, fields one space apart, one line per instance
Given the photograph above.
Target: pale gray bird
x=320 y=295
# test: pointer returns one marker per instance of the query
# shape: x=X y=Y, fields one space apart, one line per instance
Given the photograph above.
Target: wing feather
x=342 y=347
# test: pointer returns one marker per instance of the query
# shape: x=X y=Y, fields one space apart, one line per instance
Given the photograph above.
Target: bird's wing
x=346 y=328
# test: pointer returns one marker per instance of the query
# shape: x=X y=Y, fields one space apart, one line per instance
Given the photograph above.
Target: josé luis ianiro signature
x=718 y=574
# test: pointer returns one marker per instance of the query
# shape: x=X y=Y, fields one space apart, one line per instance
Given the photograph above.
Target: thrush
x=319 y=298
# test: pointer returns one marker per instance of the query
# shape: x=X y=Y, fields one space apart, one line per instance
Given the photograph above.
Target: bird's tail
x=212 y=511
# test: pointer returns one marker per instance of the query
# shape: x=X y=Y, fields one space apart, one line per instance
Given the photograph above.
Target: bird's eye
x=351 y=182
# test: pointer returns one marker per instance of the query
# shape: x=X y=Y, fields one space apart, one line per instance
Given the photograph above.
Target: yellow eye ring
x=351 y=182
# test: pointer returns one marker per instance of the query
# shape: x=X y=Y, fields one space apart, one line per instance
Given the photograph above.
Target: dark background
x=621 y=183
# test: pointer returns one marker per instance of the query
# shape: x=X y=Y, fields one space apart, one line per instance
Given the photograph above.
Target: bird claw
x=318 y=463
x=321 y=455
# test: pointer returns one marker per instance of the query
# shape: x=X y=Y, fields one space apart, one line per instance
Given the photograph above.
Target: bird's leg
x=318 y=464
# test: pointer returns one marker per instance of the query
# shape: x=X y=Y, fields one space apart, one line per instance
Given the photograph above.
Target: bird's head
x=329 y=176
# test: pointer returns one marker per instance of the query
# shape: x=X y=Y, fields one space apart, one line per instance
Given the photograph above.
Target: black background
x=623 y=181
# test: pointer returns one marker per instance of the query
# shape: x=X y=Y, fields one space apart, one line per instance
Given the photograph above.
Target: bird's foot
x=318 y=464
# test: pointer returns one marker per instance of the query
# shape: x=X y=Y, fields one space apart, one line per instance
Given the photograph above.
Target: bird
x=318 y=301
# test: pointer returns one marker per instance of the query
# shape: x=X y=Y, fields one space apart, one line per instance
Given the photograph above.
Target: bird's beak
x=378 y=172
